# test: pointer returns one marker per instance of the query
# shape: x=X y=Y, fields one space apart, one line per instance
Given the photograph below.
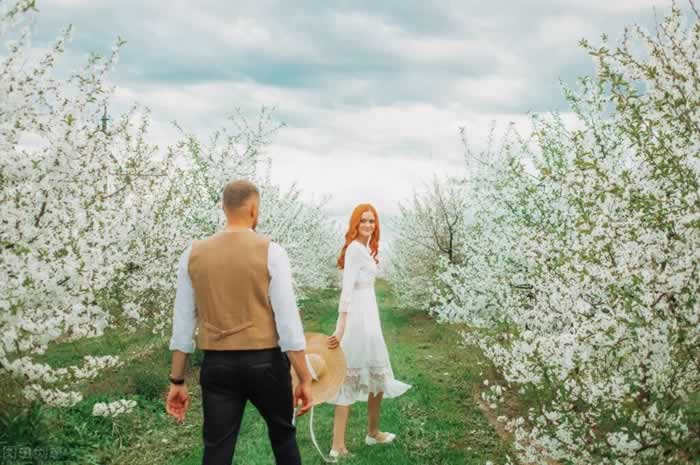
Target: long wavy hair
x=353 y=232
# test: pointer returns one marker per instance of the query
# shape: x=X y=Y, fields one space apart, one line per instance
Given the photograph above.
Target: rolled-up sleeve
x=184 y=315
x=283 y=300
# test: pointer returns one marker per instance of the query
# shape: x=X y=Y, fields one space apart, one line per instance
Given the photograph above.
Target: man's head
x=241 y=202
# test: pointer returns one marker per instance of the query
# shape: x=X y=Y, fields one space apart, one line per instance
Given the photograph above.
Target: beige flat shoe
x=336 y=454
x=381 y=438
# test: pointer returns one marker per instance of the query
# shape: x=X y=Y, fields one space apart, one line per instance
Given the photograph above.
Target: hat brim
x=325 y=388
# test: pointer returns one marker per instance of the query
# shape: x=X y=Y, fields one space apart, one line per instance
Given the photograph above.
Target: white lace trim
x=360 y=382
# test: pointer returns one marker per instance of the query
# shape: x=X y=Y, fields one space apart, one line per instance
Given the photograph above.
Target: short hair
x=237 y=193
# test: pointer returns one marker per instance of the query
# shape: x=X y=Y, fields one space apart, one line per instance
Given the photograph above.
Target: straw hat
x=327 y=367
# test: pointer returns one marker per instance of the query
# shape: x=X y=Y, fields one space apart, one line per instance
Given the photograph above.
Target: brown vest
x=231 y=280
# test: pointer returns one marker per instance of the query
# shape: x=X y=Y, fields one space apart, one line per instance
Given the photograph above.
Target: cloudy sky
x=372 y=92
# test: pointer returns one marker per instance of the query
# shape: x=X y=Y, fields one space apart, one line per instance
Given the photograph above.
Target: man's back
x=230 y=278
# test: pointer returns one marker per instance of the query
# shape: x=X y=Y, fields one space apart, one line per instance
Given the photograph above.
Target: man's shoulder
x=277 y=249
x=206 y=239
x=248 y=239
x=263 y=238
x=224 y=236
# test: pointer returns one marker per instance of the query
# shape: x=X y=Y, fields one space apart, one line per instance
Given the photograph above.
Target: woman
x=359 y=333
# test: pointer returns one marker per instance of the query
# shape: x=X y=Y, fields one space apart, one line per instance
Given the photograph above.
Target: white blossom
x=582 y=259
x=113 y=409
x=93 y=219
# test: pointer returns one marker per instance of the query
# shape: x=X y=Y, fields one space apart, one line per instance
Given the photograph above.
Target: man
x=246 y=314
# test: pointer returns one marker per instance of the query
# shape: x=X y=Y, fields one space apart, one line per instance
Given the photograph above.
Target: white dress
x=369 y=369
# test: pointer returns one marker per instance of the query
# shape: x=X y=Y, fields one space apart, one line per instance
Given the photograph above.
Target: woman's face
x=367 y=224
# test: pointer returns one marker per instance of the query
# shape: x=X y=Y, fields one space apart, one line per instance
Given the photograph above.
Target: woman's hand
x=337 y=337
x=334 y=341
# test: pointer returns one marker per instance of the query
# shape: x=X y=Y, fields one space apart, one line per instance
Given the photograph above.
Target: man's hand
x=303 y=394
x=177 y=401
x=303 y=390
x=334 y=341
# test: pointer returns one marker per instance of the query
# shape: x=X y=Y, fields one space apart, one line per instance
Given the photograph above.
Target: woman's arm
x=351 y=271
x=334 y=340
x=353 y=263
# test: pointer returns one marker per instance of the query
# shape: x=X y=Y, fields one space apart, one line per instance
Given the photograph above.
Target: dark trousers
x=230 y=379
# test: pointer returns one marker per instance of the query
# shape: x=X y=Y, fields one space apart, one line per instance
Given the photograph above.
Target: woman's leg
x=339 y=424
x=374 y=404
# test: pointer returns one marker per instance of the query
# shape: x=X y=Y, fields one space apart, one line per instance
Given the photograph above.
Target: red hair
x=353 y=232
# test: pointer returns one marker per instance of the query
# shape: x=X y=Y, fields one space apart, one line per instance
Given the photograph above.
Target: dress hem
x=395 y=389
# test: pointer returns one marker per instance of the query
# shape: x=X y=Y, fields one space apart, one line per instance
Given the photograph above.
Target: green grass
x=112 y=342
x=437 y=422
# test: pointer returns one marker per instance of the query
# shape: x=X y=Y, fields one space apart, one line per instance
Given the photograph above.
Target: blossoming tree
x=430 y=232
x=93 y=218
x=584 y=261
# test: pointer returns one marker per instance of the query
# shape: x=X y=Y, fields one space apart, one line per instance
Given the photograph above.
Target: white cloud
x=497 y=90
x=621 y=6
x=565 y=30
x=68 y=3
x=372 y=95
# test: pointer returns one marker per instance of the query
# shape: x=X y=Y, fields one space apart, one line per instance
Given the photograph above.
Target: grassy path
x=438 y=421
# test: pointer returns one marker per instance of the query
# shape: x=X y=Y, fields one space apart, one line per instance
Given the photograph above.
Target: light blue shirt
x=284 y=307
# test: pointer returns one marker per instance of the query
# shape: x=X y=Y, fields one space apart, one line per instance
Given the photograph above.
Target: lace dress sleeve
x=353 y=264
